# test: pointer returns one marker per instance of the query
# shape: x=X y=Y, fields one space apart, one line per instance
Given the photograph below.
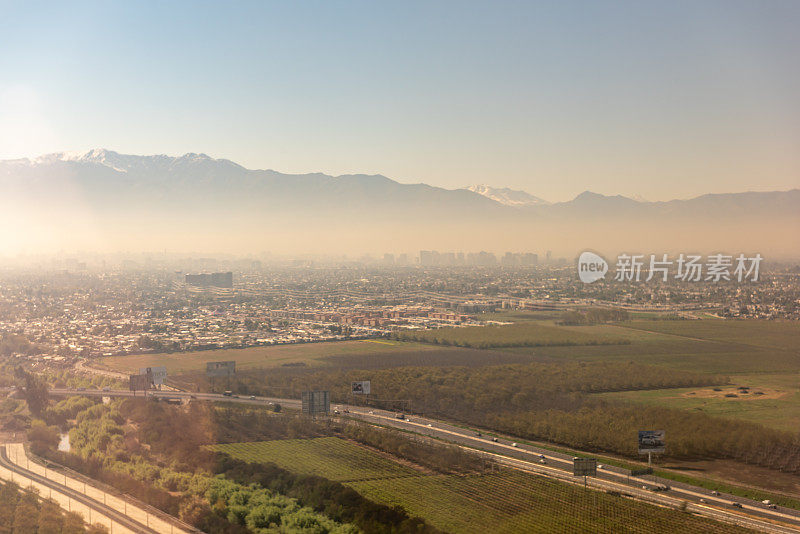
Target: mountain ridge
x=118 y=198
x=125 y=163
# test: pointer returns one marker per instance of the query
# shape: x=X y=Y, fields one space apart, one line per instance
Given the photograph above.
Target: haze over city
x=361 y=267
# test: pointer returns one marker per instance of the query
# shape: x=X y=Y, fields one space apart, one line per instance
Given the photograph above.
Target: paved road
x=527 y=457
x=76 y=496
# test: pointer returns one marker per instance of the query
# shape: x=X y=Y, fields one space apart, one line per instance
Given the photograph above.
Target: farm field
x=692 y=345
x=781 y=335
x=310 y=354
x=503 y=501
x=329 y=457
x=773 y=400
x=521 y=334
x=515 y=502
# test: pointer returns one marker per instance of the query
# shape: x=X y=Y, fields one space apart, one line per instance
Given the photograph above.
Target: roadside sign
x=584 y=467
x=316 y=402
x=361 y=387
x=158 y=374
x=139 y=382
x=651 y=441
x=220 y=368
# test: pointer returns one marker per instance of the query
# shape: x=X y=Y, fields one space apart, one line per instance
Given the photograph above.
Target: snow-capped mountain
x=508 y=197
x=194 y=200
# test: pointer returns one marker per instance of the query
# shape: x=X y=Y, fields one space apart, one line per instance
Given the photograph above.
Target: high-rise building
x=428 y=257
x=224 y=279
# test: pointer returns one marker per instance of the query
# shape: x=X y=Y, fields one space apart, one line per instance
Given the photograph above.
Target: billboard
x=139 y=382
x=220 y=369
x=315 y=402
x=159 y=374
x=584 y=467
x=360 y=388
x=651 y=441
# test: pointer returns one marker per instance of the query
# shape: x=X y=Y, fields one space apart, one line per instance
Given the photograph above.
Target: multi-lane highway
x=529 y=458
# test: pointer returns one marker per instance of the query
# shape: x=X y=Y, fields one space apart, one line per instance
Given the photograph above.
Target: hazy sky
x=659 y=99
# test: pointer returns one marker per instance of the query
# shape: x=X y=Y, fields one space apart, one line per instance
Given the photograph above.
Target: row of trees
x=132 y=446
x=554 y=402
x=22 y=512
x=489 y=388
x=514 y=335
x=590 y=316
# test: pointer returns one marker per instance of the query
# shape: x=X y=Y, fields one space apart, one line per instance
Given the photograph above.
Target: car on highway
x=430 y=425
x=106 y=388
x=736 y=504
x=514 y=444
x=401 y=416
x=371 y=412
x=494 y=439
x=252 y=397
x=715 y=493
x=228 y=394
x=478 y=434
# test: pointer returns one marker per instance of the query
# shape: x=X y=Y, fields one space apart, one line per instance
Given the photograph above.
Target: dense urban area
x=68 y=308
x=451 y=350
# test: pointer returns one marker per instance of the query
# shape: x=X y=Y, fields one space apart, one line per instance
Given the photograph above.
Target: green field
x=266 y=356
x=522 y=334
x=761 y=355
x=706 y=346
x=773 y=400
x=514 y=502
x=503 y=501
x=780 y=335
x=329 y=457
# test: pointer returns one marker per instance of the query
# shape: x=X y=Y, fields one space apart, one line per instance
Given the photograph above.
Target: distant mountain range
x=508 y=197
x=101 y=198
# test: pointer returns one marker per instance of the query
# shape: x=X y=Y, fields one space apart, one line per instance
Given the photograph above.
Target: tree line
x=22 y=512
x=552 y=402
x=131 y=445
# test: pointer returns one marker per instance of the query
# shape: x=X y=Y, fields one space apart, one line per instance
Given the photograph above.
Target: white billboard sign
x=361 y=387
x=159 y=374
x=221 y=368
x=651 y=441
